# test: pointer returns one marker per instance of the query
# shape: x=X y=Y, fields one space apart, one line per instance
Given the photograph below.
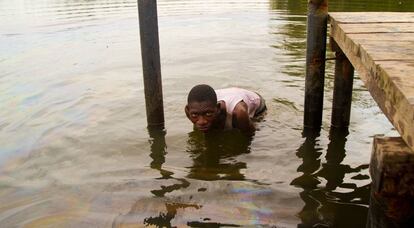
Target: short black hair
x=202 y=92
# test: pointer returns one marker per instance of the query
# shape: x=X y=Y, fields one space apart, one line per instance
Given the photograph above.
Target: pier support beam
x=150 y=52
x=342 y=94
x=315 y=62
x=392 y=188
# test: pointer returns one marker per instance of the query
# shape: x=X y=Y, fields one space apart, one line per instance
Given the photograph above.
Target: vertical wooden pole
x=315 y=62
x=342 y=95
x=150 y=52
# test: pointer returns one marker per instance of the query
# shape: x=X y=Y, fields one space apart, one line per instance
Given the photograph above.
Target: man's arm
x=242 y=120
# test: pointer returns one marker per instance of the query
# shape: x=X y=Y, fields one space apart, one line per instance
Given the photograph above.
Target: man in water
x=223 y=108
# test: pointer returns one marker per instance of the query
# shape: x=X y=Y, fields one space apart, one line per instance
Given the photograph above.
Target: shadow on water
x=214 y=155
x=164 y=218
x=213 y=159
x=330 y=201
x=158 y=152
x=325 y=207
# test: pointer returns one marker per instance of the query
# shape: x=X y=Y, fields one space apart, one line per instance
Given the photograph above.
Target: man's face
x=202 y=114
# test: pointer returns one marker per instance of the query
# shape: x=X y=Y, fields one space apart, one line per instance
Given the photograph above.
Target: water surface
x=75 y=151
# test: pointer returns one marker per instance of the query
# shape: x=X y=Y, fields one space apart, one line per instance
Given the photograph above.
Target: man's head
x=202 y=108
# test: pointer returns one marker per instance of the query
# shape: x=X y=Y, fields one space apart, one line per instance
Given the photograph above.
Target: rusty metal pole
x=315 y=62
x=151 y=64
x=342 y=94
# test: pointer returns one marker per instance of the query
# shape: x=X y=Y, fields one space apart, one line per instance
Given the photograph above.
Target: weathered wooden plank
x=378 y=46
x=402 y=74
x=381 y=37
x=392 y=166
x=389 y=85
x=392 y=189
x=379 y=28
x=379 y=50
x=371 y=17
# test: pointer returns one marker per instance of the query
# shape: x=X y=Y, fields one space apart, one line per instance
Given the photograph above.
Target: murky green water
x=75 y=151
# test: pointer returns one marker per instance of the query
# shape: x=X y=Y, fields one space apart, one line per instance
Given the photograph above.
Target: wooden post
x=392 y=188
x=315 y=62
x=342 y=95
x=150 y=52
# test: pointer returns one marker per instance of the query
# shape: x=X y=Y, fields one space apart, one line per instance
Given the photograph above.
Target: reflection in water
x=214 y=155
x=79 y=123
x=213 y=159
x=311 y=163
x=290 y=38
x=300 y=6
x=163 y=219
x=323 y=205
x=158 y=148
x=158 y=152
x=292 y=6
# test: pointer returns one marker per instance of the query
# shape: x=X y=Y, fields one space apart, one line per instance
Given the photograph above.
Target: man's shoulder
x=240 y=108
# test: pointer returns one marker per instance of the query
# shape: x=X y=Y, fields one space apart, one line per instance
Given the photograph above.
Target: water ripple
x=74 y=148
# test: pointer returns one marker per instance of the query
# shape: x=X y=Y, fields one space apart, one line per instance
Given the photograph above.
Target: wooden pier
x=380 y=46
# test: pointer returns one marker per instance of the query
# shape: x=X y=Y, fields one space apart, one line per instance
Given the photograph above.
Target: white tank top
x=232 y=96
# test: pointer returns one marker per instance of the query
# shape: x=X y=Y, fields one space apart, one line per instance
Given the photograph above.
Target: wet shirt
x=232 y=96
